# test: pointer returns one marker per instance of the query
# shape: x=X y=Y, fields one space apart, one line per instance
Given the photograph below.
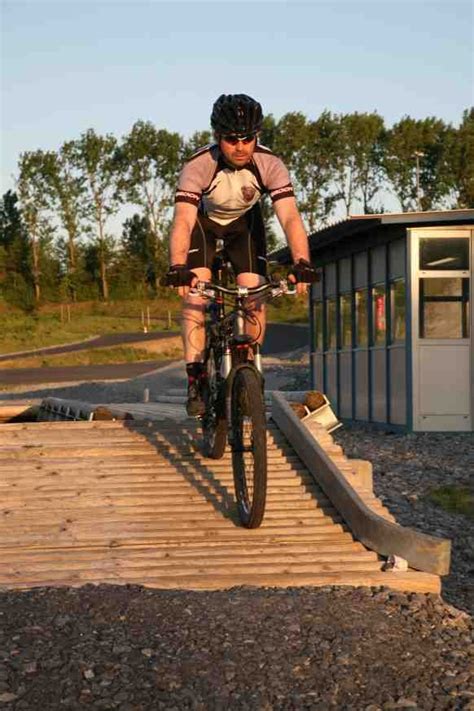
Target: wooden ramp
x=135 y=502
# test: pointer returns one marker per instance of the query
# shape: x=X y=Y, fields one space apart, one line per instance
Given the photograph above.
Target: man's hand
x=180 y=277
x=302 y=274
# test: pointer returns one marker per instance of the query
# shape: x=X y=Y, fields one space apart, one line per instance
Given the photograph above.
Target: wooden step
x=138 y=503
x=417 y=582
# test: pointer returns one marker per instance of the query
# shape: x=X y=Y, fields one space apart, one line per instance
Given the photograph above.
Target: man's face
x=237 y=150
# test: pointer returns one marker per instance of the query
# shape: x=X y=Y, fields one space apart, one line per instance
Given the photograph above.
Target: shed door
x=441 y=329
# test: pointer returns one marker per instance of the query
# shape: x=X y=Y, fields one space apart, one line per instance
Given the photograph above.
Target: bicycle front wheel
x=249 y=445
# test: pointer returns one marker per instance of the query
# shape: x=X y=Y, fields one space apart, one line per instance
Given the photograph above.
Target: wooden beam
x=18 y=413
x=423 y=552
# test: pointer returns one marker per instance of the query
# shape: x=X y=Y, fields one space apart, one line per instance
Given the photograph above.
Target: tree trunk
x=157 y=261
x=103 y=266
x=72 y=266
x=36 y=269
x=103 y=276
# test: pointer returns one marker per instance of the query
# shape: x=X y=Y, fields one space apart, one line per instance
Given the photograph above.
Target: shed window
x=444 y=308
x=378 y=315
x=362 y=331
x=346 y=320
x=398 y=311
x=318 y=326
x=444 y=254
x=331 y=327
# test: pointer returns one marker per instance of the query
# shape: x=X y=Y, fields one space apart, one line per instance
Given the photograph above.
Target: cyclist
x=218 y=196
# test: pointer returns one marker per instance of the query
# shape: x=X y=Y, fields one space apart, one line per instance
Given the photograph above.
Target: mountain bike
x=234 y=390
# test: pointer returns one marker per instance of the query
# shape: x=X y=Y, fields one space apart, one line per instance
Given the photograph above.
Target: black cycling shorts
x=244 y=242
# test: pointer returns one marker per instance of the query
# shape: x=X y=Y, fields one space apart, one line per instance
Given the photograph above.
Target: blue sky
x=67 y=66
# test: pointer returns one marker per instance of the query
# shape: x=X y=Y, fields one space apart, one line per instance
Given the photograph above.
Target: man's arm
x=180 y=239
x=289 y=218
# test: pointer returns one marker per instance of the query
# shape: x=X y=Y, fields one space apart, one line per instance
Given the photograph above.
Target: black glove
x=304 y=272
x=178 y=275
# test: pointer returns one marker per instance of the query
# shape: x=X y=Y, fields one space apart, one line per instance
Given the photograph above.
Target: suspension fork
x=239 y=322
x=218 y=317
x=239 y=330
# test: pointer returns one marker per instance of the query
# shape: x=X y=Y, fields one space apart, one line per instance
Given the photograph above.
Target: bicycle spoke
x=249 y=445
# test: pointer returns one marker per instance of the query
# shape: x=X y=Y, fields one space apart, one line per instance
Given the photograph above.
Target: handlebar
x=209 y=290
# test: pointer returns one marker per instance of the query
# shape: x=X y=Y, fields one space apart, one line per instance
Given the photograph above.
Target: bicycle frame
x=235 y=405
x=231 y=326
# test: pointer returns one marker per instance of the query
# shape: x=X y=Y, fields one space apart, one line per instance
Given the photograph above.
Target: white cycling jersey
x=224 y=193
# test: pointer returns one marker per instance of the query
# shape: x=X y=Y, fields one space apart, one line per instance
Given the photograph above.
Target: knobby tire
x=214 y=425
x=249 y=445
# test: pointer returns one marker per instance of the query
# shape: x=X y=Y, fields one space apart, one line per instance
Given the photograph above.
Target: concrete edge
x=423 y=552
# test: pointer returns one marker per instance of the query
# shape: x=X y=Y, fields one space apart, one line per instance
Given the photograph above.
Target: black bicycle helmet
x=236 y=113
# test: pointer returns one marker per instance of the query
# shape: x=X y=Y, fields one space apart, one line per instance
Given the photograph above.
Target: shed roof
x=362 y=223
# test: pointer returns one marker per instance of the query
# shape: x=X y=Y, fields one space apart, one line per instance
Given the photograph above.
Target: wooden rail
x=423 y=552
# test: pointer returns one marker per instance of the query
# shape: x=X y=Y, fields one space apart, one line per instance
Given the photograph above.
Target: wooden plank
x=288 y=552
x=284 y=551
x=136 y=502
x=151 y=567
x=419 y=582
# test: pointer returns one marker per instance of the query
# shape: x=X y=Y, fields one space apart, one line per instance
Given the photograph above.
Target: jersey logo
x=248 y=193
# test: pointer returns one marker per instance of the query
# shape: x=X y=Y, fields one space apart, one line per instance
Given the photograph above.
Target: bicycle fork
x=240 y=331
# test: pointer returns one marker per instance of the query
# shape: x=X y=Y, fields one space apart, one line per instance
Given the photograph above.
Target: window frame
x=356 y=342
x=464 y=299
x=372 y=339
x=346 y=347
x=392 y=340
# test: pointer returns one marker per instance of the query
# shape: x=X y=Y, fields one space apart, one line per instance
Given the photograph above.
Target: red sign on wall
x=380 y=312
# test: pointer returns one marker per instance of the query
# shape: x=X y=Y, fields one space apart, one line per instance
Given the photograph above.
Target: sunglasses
x=233 y=139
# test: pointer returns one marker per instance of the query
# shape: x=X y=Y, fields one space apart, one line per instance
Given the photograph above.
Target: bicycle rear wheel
x=214 y=425
x=249 y=445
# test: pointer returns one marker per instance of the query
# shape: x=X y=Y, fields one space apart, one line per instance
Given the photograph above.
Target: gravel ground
x=406 y=468
x=133 y=649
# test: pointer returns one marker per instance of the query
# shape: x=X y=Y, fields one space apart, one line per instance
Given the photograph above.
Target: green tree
x=95 y=159
x=416 y=162
x=15 y=254
x=68 y=190
x=309 y=149
x=462 y=161
x=50 y=265
x=198 y=140
x=268 y=132
x=290 y=136
x=138 y=243
x=35 y=204
x=358 y=158
x=150 y=160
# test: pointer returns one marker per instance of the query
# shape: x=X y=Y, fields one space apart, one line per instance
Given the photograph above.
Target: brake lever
x=201 y=288
x=283 y=289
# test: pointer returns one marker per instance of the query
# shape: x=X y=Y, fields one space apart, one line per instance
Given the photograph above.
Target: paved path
x=78 y=373
x=280 y=338
x=110 y=339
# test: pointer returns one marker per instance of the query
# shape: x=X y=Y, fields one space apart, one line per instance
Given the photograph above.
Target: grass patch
x=51 y=326
x=95 y=356
x=455 y=499
x=288 y=309
x=20 y=332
